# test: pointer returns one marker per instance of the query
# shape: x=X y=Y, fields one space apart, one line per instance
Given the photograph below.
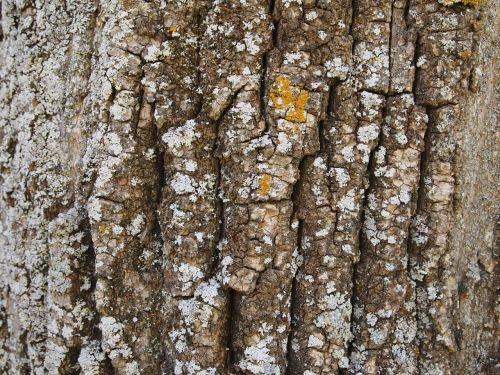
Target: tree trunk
x=249 y=187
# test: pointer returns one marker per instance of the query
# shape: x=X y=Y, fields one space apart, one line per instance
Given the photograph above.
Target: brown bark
x=249 y=187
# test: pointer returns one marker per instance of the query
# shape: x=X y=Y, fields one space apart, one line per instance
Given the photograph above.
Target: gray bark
x=249 y=187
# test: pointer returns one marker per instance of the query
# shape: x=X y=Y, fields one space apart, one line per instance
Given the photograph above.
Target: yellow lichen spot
x=473 y=2
x=102 y=228
x=465 y=54
x=298 y=112
x=286 y=96
x=172 y=29
x=264 y=184
x=281 y=93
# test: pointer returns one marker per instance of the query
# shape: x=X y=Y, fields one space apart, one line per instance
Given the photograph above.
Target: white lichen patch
x=91 y=359
x=188 y=274
x=94 y=210
x=314 y=342
x=312 y=15
x=420 y=231
x=473 y=271
x=190 y=165
x=335 y=318
x=258 y=359
x=347 y=202
x=244 y=111
x=320 y=164
x=181 y=138
x=367 y=133
x=252 y=42
x=348 y=153
x=136 y=225
x=183 y=184
x=336 y=68
x=113 y=341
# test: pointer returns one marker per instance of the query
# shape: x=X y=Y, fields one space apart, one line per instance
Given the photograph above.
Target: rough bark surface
x=249 y=187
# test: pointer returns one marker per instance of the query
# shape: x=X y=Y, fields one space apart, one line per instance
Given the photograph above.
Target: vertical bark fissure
x=161 y=177
x=361 y=240
x=293 y=305
x=264 y=97
x=96 y=332
x=299 y=215
x=219 y=201
x=26 y=366
x=329 y=115
x=231 y=328
x=199 y=22
x=354 y=11
x=421 y=183
x=296 y=215
x=349 y=350
x=323 y=140
x=424 y=156
x=92 y=330
x=1 y=18
x=220 y=213
x=221 y=234
x=391 y=26
x=140 y=101
x=406 y=13
x=423 y=163
x=416 y=55
x=157 y=227
x=321 y=123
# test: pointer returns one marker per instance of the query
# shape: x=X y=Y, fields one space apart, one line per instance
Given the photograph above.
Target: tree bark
x=249 y=187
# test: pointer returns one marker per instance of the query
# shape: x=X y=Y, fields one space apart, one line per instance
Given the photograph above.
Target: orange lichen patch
x=294 y=98
x=465 y=54
x=281 y=93
x=298 y=113
x=264 y=184
x=473 y=2
x=172 y=29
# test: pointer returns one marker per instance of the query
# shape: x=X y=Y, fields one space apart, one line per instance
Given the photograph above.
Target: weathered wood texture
x=249 y=187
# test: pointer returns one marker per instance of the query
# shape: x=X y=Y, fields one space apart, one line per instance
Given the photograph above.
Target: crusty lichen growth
x=217 y=187
x=292 y=98
x=264 y=184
